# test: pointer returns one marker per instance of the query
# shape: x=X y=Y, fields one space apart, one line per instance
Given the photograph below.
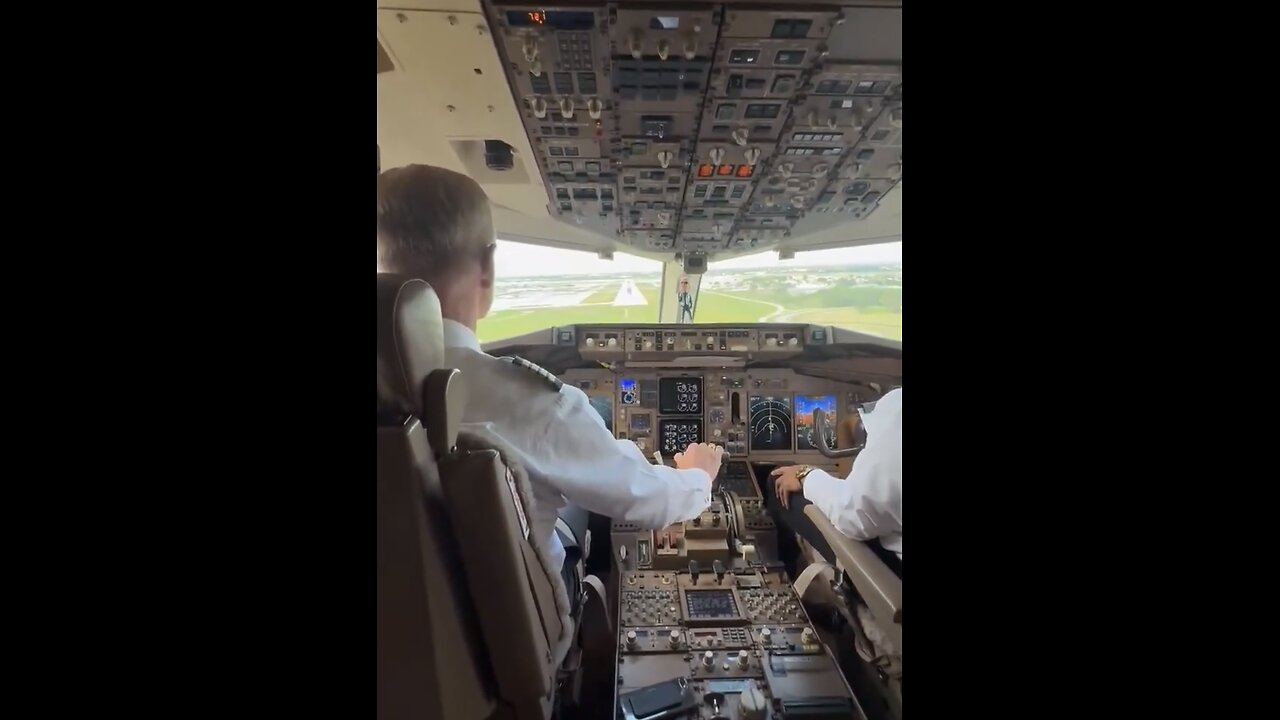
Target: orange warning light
x=725 y=170
x=745 y=170
x=706 y=170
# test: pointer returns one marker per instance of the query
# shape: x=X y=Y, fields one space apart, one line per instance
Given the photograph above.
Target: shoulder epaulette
x=551 y=380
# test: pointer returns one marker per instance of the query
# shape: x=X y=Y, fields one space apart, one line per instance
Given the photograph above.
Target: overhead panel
x=719 y=128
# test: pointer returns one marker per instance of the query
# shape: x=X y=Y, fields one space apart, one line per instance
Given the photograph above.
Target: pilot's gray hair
x=430 y=220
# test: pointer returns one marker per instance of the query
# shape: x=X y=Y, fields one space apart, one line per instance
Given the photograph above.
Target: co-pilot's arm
x=867 y=504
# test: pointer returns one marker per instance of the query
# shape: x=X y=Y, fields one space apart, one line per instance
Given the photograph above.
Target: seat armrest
x=879 y=587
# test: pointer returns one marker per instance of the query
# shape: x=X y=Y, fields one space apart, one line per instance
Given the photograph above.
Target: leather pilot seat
x=876 y=611
x=471 y=624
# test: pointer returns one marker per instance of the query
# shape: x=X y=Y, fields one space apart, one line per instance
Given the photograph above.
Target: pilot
x=435 y=224
x=867 y=505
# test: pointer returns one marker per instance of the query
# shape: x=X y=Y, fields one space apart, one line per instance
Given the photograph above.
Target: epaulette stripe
x=551 y=380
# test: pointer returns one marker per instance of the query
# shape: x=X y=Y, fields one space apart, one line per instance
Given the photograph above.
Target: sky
x=522 y=260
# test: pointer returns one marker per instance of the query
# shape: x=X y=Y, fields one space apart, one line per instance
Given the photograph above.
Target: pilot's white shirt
x=563 y=444
x=868 y=504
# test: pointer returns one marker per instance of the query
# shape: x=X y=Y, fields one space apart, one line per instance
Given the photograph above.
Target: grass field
x=835 y=306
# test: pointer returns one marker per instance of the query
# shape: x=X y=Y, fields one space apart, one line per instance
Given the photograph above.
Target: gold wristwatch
x=802 y=472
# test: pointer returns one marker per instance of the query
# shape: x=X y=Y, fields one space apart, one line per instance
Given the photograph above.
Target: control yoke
x=820 y=433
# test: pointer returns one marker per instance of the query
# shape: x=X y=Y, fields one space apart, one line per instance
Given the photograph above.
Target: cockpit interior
x=689 y=134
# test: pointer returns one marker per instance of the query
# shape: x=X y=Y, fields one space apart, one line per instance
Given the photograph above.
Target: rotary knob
x=631 y=638
x=709 y=658
x=766 y=636
x=809 y=637
x=674 y=638
x=743 y=658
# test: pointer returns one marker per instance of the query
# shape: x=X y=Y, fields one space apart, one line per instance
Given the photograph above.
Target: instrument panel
x=763 y=413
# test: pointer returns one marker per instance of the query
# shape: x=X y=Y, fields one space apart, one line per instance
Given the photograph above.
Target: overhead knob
x=895 y=117
x=766 y=636
x=717 y=432
x=674 y=638
x=637 y=43
x=752 y=155
x=895 y=170
x=711 y=340
x=613 y=342
x=793 y=341
x=717 y=155
x=535 y=67
x=821 y=169
x=740 y=136
x=709 y=658
x=631 y=638
x=664 y=218
x=530 y=48
x=832 y=123
x=665 y=157
x=786 y=169
x=855 y=169
x=690 y=47
x=539 y=108
x=751 y=703
x=594 y=108
x=664 y=49
x=797 y=201
x=648 y=344
x=566 y=108
x=591 y=342
x=743 y=658
x=812 y=118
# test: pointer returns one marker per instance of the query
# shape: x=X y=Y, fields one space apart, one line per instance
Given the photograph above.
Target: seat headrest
x=410 y=342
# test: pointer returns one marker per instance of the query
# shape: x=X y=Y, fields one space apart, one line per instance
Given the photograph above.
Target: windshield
x=856 y=288
x=540 y=287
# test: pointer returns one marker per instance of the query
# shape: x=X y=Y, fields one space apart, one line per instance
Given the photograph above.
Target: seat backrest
x=469 y=620
x=430 y=658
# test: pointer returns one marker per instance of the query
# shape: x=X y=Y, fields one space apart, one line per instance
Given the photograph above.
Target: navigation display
x=680 y=395
x=770 y=422
x=805 y=405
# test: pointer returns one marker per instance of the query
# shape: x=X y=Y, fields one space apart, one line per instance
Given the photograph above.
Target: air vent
x=384 y=61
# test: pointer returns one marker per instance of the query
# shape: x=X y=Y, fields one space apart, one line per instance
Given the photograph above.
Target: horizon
x=521 y=260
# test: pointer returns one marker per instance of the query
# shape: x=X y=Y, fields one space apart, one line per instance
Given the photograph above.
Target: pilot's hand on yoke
x=703 y=456
x=786 y=480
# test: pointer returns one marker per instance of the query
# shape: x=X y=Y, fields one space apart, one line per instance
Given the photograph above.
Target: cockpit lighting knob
x=530 y=48
x=740 y=136
x=717 y=156
x=690 y=48
x=594 y=108
x=648 y=344
x=793 y=341
x=591 y=342
x=752 y=155
x=535 y=67
x=539 y=108
x=613 y=342
x=664 y=49
x=665 y=157
x=637 y=43
x=566 y=108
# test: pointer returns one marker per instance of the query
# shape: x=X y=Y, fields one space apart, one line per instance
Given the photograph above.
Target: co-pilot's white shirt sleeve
x=868 y=504
x=581 y=459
